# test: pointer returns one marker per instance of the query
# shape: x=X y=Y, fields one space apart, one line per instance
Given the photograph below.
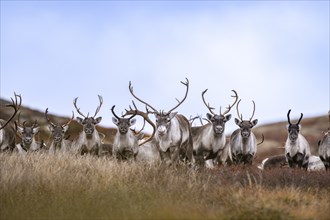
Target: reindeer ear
x=80 y=120
x=237 y=121
x=19 y=128
x=132 y=121
x=51 y=128
x=115 y=120
x=35 y=130
x=227 y=117
x=65 y=128
x=209 y=116
x=254 y=122
x=98 y=120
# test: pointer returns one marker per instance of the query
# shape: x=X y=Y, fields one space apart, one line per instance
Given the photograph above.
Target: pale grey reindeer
x=27 y=134
x=7 y=132
x=243 y=144
x=88 y=141
x=209 y=141
x=324 y=147
x=125 y=145
x=297 y=150
x=59 y=144
x=147 y=147
x=173 y=132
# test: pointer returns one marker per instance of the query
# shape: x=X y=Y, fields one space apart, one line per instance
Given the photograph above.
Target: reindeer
x=276 y=161
x=243 y=143
x=173 y=134
x=88 y=141
x=280 y=161
x=125 y=145
x=209 y=141
x=147 y=147
x=59 y=144
x=297 y=150
x=324 y=147
x=27 y=134
x=7 y=133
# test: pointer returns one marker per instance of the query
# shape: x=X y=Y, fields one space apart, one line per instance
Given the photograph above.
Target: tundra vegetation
x=43 y=186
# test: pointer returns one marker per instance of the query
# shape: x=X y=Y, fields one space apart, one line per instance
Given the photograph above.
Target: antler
x=16 y=106
x=68 y=122
x=49 y=121
x=301 y=116
x=145 y=116
x=185 y=96
x=99 y=107
x=262 y=141
x=138 y=132
x=254 y=109
x=78 y=109
x=207 y=104
x=230 y=106
x=113 y=112
x=239 y=115
x=288 y=115
x=130 y=87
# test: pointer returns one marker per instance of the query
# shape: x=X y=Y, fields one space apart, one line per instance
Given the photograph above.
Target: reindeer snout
x=89 y=130
x=218 y=129
x=161 y=130
x=123 y=130
x=28 y=140
x=57 y=139
x=245 y=134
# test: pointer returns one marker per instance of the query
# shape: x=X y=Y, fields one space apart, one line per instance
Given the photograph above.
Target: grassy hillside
x=40 y=186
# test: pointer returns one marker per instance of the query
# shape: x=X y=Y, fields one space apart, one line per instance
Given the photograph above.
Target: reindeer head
x=293 y=129
x=58 y=131
x=245 y=125
x=87 y=122
x=26 y=133
x=163 y=119
x=123 y=124
x=219 y=121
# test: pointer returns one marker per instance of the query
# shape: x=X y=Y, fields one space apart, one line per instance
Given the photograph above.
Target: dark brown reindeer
x=59 y=144
x=173 y=132
x=7 y=133
x=243 y=142
x=209 y=140
x=88 y=141
x=297 y=150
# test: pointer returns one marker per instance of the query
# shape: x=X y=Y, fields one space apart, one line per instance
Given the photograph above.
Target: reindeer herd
x=174 y=139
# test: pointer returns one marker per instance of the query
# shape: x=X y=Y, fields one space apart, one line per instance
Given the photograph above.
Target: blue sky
x=273 y=52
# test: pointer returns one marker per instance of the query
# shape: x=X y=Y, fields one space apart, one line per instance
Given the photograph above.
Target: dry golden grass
x=40 y=186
